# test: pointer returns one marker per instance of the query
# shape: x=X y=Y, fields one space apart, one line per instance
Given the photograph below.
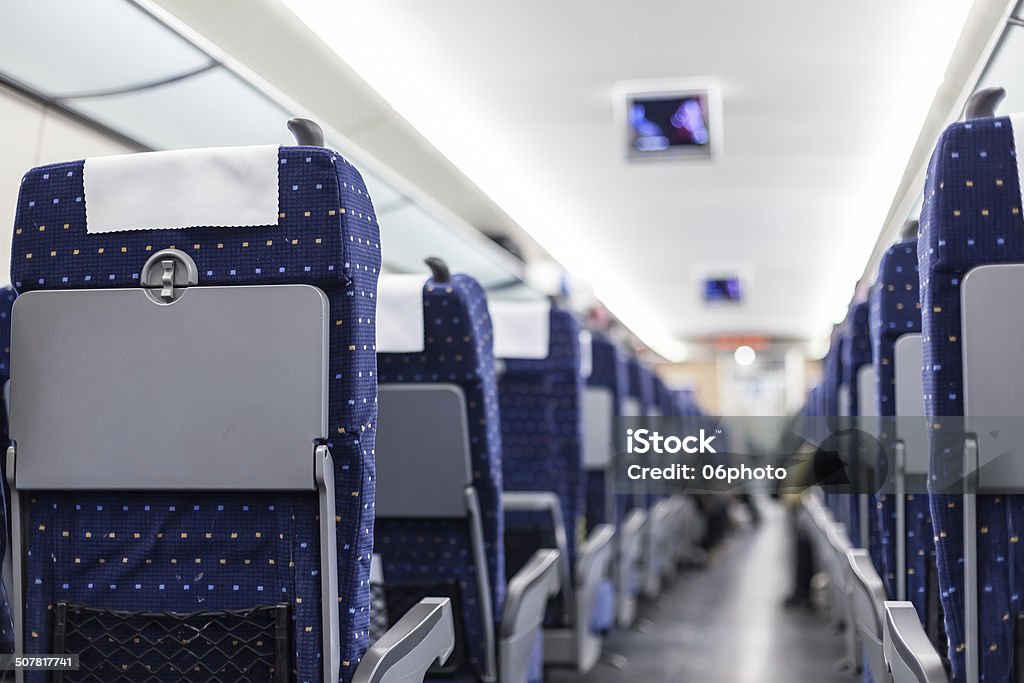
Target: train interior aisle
x=728 y=620
x=406 y=341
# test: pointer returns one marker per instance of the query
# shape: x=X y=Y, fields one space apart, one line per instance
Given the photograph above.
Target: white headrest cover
x=586 y=354
x=228 y=187
x=400 y=314
x=522 y=329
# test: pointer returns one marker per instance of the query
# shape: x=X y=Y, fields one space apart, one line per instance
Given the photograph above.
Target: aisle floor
x=725 y=623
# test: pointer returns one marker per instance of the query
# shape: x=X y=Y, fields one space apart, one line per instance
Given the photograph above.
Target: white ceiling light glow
x=744 y=355
x=818 y=133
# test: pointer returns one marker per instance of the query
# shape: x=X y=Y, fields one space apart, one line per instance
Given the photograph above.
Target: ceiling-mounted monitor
x=722 y=285
x=670 y=122
x=723 y=289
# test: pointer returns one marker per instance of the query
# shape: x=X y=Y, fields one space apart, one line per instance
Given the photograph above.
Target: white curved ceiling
x=822 y=105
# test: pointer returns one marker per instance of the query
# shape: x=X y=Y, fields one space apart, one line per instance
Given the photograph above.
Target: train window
x=123 y=47
x=410 y=234
x=211 y=109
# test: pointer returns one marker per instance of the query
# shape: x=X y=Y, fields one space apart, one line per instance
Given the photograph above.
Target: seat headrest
x=586 y=354
x=857 y=349
x=895 y=300
x=641 y=384
x=973 y=196
x=609 y=366
x=94 y=223
x=400 y=326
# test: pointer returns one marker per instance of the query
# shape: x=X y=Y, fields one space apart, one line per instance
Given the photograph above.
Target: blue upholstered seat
x=7 y=295
x=686 y=402
x=895 y=311
x=971 y=216
x=856 y=350
x=167 y=552
x=609 y=371
x=668 y=402
x=833 y=376
x=421 y=556
x=640 y=389
x=641 y=386
x=856 y=354
x=541 y=420
x=541 y=399
x=838 y=503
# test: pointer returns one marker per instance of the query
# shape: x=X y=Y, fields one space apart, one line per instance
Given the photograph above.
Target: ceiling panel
x=521 y=97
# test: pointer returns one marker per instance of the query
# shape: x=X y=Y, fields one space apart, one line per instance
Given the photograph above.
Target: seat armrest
x=631 y=537
x=868 y=598
x=529 y=591
x=910 y=655
x=526 y=602
x=595 y=554
x=421 y=638
x=592 y=571
x=549 y=503
x=869 y=591
x=629 y=542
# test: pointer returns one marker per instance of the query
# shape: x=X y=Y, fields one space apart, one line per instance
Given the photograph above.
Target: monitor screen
x=722 y=289
x=668 y=125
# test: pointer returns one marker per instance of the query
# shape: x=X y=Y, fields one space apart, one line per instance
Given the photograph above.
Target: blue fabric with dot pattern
x=459 y=350
x=639 y=387
x=609 y=371
x=541 y=420
x=838 y=503
x=857 y=354
x=668 y=402
x=856 y=350
x=971 y=216
x=161 y=552
x=895 y=311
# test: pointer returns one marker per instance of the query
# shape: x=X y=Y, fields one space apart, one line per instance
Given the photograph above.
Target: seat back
x=971 y=216
x=686 y=402
x=654 y=409
x=603 y=399
x=455 y=363
x=639 y=400
x=856 y=353
x=856 y=361
x=268 y=216
x=649 y=390
x=542 y=429
x=7 y=296
x=905 y=533
x=667 y=403
x=837 y=503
